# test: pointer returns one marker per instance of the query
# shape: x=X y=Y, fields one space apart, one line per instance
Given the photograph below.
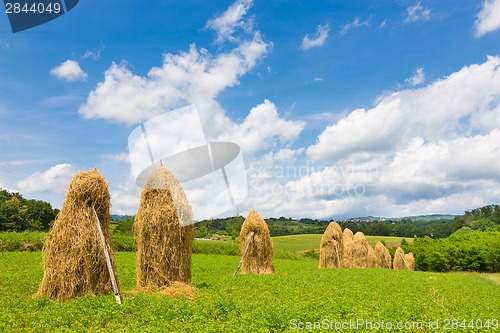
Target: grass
x=298 y=292
x=297 y=243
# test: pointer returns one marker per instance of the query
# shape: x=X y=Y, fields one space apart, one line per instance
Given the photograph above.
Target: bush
x=465 y=250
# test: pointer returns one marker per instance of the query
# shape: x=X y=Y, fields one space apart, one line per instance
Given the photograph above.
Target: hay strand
x=347 y=248
x=244 y=253
x=73 y=258
x=164 y=246
x=362 y=254
x=382 y=256
x=330 y=248
x=259 y=259
x=116 y=290
x=403 y=261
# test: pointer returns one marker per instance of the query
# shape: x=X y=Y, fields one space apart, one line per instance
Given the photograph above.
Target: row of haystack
x=74 y=255
x=78 y=261
x=345 y=250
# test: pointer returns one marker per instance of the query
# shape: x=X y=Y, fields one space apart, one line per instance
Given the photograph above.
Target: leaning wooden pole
x=244 y=253
x=337 y=251
x=404 y=260
x=116 y=291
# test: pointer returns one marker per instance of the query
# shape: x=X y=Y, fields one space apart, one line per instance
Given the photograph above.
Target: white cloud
x=318 y=79
x=69 y=70
x=488 y=19
x=96 y=55
x=435 y=149
x=383 y=24
x=417 y=79
x=264 y=129
x=317 y=39
x=417 y=13
x=55 y=180
x=193 y=77
x=464 y=102
x=233 y=18
x=356 y=23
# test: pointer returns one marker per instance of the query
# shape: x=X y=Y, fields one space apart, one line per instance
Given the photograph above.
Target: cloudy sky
x=341 y=108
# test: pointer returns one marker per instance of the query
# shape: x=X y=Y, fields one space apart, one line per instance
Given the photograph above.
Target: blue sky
x=341 y=108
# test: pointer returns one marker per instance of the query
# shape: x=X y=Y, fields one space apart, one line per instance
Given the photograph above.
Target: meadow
x=346 y=300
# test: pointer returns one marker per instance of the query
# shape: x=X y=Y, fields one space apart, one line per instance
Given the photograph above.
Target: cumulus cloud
x=462 y=103
x=232 y=19
x=316 y=39
x=193 y=77
x=417 y=79
x=69 y=70
x=54 y=180
x=356 y=23
x=435 y=149
x=488 y=19
x=264 y=129
x=417 y=13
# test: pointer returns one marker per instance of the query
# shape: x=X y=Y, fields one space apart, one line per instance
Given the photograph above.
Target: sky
x=340 y=108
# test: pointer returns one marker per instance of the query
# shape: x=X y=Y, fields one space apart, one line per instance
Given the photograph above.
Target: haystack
x=363 y=255
x=330 y=253
x=256 y=240
x=164 y=246
x=382 y=256
x=403 y=261
x=410 y=260
x=73 y=256
x=347 y=248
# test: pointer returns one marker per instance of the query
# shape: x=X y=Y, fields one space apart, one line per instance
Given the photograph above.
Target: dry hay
x=73 y=257
x=259 y=257
x=175 y=289
x=363 y=255
x=410 y=261
x=163 y=246
x=347 y=248
x=330 y=253
x=382 y=256
x=404 y=261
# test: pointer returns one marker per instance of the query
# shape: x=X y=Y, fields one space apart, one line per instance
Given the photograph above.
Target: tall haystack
x=403 y=261
x=382 y=256
x=73 y=257
x=164 y=246
x=330 y=253
x=347 y=248
x=363 y=255
x=256 y=240
x=410 y=260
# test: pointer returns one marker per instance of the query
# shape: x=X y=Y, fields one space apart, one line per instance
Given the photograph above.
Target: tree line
x=20 y=214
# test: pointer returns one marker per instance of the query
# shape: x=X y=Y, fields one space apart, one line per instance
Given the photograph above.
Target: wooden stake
x=244 y=253
x=404 y=260
x=337 y=250
x=108 y=260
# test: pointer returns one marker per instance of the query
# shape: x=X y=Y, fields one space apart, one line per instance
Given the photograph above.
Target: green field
x=298 y=292
x=297 y=243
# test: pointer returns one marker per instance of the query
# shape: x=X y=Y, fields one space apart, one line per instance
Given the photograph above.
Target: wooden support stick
x=337 y=251
x=108 y=260
x=244 y=253
x=404 y=260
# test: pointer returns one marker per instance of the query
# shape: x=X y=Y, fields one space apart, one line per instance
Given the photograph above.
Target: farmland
x=296 y=243
x=298 y=293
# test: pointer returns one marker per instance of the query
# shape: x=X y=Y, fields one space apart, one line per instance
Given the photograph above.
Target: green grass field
x=299 y=292
x=296 y=243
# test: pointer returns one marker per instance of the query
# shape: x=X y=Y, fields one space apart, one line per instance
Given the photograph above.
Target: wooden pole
x=244 y=253
x=337 y=251
x=116 y=291
x=404 y=260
